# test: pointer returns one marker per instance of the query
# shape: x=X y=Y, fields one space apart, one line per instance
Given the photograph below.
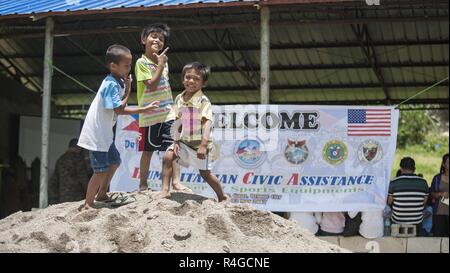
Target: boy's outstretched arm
x=126 y=110
x=206 y=133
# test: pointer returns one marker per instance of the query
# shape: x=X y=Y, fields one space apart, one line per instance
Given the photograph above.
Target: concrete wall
x=391 y=244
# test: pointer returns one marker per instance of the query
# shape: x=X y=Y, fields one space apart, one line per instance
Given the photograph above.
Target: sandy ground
x=184 y=223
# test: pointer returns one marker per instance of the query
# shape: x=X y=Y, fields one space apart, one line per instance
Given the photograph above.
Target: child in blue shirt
x=97 y=134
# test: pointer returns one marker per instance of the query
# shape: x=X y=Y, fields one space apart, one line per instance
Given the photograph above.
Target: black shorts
x=157 y=137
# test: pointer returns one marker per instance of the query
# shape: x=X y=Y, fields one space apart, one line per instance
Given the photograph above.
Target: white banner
x=286 y=157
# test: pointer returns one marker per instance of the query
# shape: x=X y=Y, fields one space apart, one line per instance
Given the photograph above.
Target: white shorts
x=188 y=158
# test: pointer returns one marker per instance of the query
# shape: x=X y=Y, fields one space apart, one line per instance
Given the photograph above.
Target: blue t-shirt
x=110 y=92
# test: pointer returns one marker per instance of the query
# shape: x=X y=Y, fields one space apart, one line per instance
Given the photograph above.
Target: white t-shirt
x=97 y=133
x=306 y=220
x=333 y=222
x=372 y=224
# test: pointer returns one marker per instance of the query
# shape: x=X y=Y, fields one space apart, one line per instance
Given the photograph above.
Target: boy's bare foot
x=102 y=198
x=143 y=187
x=85 y=207
x=163 y=194
x=224 y=198
x=181 y=188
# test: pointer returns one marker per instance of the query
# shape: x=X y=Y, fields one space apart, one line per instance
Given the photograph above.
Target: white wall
x=61 y=132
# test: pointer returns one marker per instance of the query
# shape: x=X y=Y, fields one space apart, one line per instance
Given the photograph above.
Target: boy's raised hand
x=128 y=80
x=162 y=58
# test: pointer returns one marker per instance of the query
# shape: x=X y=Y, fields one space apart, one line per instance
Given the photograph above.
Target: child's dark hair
x=115 y=53
x=158 y=28
x=203 y=69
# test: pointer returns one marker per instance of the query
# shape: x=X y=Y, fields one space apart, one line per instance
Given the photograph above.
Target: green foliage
x=428 y=162
x=436 y=143
x=413 y=128
x=419 y=137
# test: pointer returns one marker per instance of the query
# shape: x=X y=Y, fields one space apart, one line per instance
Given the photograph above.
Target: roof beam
x=231 y=69
x=97 y=59
x=16 y=73
x=292 y=46
x=440 y=104
x=242 y=64
x=205 y=26
x=362 y=34
x=287 y=87
x=370 y=102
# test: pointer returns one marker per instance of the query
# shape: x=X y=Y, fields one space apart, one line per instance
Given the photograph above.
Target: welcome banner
x=286 y=157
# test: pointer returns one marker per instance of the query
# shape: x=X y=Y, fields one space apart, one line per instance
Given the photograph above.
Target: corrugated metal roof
x=8 y=7
x=320 y=62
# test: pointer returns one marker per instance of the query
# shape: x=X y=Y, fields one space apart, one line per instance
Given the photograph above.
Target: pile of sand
x=184 y=223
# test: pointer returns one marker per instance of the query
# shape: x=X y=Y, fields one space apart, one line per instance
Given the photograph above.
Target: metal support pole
x=265 y=59
x=48 y=59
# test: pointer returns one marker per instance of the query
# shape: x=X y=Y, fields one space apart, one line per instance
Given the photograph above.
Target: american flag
x=369 y=122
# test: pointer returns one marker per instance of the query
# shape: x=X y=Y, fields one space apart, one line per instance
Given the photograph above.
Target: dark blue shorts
x=100 y=161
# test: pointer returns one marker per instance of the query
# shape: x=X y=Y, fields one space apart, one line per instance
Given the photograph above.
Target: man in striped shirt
x=408 y=194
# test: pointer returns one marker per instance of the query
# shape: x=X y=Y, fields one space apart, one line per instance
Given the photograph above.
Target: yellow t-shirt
x=145 y=70
x=191 y=113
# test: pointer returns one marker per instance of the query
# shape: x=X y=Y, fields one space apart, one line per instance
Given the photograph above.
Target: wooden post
x=265 y=58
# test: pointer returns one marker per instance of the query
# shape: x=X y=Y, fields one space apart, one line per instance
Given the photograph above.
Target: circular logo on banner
x=335 y=152
x=296 y=152
x=248 y=153
x=370 y=151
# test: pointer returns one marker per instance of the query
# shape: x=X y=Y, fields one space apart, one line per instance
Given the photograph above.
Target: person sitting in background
x=408 y=195
x=427 y=223
x=352 y=223
x=71 y=176
x=306 y=220
x=332 y=224
x=371 y=224
x=439 y=193
x=368 y=224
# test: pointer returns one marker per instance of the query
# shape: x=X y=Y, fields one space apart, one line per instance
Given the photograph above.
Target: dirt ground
x=184 y=223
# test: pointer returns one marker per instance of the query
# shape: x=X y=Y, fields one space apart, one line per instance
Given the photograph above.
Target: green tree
x=414 y=126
